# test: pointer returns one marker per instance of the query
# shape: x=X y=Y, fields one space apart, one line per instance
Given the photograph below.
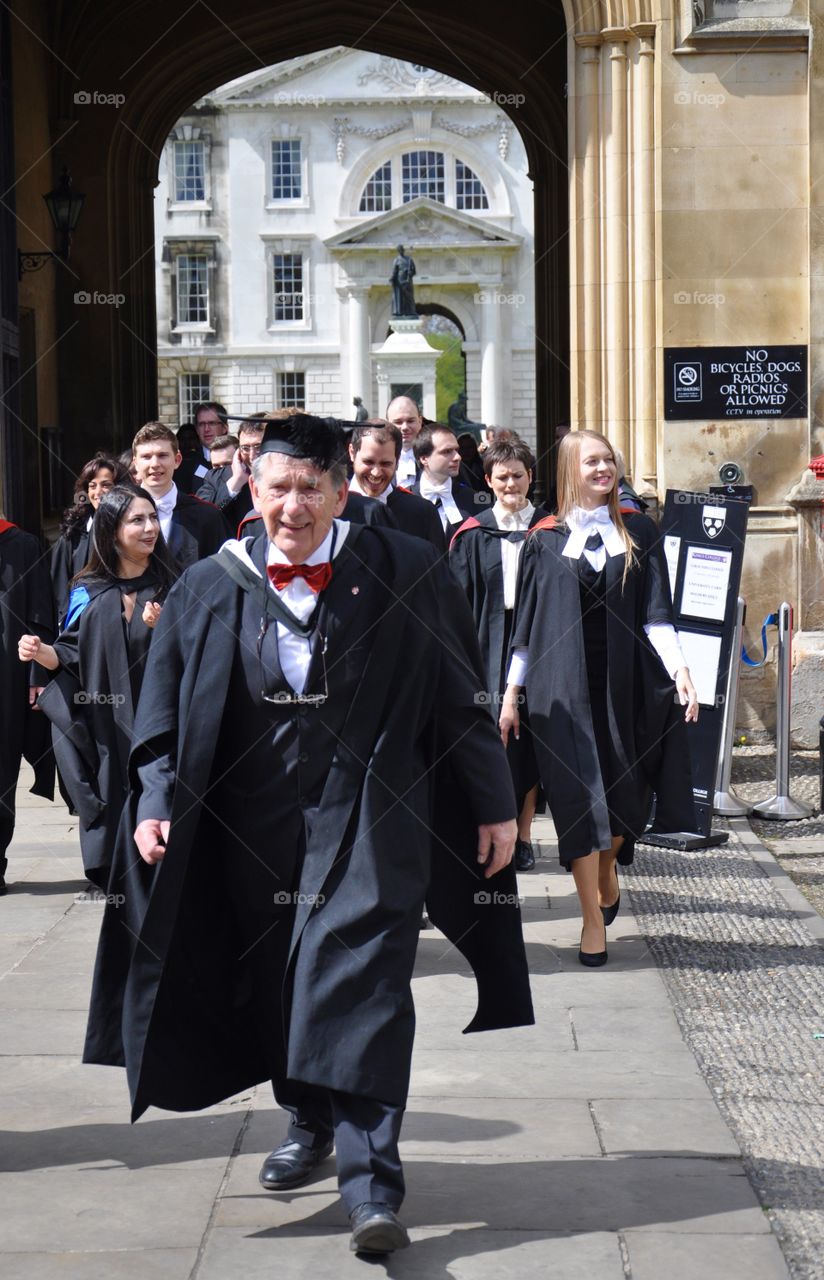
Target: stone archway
x=114 y=247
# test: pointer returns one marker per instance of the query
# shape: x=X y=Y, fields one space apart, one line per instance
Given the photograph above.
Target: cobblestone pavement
x=798 y=846
x=746 y=978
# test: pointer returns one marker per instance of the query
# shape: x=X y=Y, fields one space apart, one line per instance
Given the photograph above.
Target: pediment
x=423 y=223
x=338 y=75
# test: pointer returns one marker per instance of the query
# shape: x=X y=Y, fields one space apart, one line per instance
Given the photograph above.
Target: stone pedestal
x=407 y=360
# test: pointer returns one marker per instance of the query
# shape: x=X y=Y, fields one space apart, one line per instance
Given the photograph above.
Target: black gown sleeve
x=465 y=728
x=657 y=600
x=460 y=563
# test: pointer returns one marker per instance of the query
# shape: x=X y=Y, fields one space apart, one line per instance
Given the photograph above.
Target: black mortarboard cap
x=318 y=440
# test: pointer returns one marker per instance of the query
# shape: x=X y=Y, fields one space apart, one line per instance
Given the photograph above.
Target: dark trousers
x=366 y=1134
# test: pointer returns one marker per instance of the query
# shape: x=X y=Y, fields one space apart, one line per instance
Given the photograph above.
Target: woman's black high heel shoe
x=609 y=913
x=592 y=959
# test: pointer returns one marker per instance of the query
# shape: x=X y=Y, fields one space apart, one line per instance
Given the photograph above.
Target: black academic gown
x=180 y=1011
x=215 y=489
x=90 y=703
x=192 y=472
x=198 y=530
x=475 y=561
x=647 y=730
x=26 y=608
x=416 y=516
x=69 y=555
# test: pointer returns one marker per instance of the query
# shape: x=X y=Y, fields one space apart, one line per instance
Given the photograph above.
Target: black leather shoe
x=524 y=857
x=609 y=913
x=592 y=959
x=3 y=888
x=290 y=1165
x=376 y=1229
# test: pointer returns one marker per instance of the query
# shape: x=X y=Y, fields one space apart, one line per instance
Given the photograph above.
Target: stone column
x=644 y=443
x=585 y=229
x=616 y=236
x=360 y=364
x=491 y=365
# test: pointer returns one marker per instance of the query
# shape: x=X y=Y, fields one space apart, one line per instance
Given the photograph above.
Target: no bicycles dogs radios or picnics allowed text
x=735 y=382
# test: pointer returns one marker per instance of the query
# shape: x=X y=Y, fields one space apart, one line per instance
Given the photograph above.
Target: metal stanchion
x=781 y=806
x=726 y=802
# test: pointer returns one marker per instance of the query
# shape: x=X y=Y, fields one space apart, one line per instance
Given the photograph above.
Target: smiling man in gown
x=300 y=791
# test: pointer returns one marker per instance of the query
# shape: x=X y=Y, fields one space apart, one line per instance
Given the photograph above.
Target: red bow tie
x=316 y=576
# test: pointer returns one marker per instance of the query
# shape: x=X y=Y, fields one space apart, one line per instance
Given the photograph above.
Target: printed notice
x=672 y=546
x=702 y=655
x=706 y=579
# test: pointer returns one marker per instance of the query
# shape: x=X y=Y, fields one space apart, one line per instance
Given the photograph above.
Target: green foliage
x=450 y=372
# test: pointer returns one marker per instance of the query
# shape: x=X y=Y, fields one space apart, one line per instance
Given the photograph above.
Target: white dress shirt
x=511 y=522
x=407 y=472
x=165 y=507
x=661 y=635
x=295 y=652
x=440 y=495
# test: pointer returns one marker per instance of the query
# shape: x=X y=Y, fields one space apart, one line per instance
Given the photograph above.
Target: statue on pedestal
x=403 y=290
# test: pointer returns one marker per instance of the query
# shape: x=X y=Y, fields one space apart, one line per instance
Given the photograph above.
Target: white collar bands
x=582 y=523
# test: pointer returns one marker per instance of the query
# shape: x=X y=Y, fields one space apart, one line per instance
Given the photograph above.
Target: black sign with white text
x=734 y=382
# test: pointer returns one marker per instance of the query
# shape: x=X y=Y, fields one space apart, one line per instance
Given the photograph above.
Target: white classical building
x=282 y=199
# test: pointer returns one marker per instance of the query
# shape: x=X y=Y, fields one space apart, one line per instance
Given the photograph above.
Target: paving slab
x=124 y=1264
x=690 y=1126
x=653 y=1255
x=24 y=990
x=599 y=1030
x=27 y=1033
x=560 y=1075
x=93 y=1209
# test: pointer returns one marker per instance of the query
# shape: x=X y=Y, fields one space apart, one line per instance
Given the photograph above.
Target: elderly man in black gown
x=304 y=789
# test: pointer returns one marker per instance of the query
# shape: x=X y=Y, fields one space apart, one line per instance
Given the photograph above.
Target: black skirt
x=594 y=622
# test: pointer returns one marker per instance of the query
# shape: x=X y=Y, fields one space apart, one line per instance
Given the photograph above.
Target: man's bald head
x=403 y=413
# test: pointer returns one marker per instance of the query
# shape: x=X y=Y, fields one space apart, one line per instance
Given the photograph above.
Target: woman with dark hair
x=100 y=656
x=593 y=642
x=484 y=556
x=71 y=550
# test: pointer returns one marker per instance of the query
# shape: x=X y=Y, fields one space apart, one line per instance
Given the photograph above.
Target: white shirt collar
x=517 y=520
x=321 y=554
x=354 y=487
x=582 y=523
x=167 y=504
x=431 y=488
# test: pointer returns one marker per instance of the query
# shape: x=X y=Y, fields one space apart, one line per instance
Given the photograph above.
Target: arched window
x=377 y=194
x=414 y=174
x=469 y=190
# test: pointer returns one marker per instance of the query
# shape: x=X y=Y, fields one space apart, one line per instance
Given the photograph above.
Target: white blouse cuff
x=517 y=667
x=664 y=640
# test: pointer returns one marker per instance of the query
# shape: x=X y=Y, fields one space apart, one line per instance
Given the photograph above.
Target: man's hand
x=150 y=837
x=239 y=475
x=34 y=693
x=496 y=845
